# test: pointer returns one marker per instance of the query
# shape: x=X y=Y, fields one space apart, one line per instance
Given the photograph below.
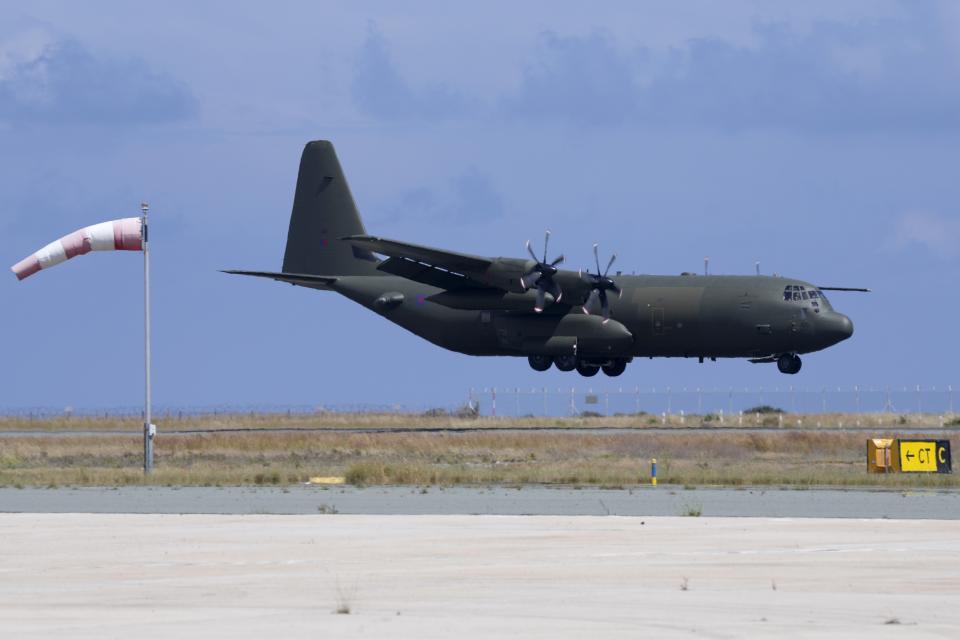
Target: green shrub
x=763 y=408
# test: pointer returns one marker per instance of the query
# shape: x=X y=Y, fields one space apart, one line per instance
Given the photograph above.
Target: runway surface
x=423 y=577
x=665 y=500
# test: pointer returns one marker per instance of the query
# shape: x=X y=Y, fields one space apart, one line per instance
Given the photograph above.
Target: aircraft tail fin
x=323 y=213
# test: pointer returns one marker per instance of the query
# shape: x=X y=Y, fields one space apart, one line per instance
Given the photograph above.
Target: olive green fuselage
x=656 y=316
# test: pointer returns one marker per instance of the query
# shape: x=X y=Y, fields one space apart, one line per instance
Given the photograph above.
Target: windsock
x=116 y=235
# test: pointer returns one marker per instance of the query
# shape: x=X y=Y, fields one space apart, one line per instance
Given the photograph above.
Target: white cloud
x=938 y=235
x=56 y=80
x=23 y=48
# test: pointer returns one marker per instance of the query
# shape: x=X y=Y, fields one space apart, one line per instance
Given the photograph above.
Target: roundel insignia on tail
x=324 y=183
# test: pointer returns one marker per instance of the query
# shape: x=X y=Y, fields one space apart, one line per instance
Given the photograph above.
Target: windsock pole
x=148 y=428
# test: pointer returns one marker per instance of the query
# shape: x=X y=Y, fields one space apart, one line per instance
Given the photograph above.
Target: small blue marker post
x=653 y=471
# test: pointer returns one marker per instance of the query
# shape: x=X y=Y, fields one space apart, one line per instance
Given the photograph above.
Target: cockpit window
x=798 y=293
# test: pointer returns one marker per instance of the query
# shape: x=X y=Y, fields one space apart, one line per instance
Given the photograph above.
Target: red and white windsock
x=116 y=235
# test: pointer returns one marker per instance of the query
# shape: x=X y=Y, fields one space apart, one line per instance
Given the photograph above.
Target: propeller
x=599 y=285
x=543 y=282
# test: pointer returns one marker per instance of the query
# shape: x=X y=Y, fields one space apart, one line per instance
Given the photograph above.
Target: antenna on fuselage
x=757 y=266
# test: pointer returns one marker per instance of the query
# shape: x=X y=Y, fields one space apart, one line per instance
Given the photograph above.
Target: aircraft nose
x=838 y=326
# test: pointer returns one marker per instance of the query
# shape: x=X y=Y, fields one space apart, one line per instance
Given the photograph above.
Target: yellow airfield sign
x=929 y=456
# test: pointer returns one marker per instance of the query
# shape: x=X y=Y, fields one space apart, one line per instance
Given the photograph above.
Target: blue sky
x=818 y=138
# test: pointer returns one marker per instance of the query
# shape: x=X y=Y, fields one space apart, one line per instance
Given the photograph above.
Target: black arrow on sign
x=909 y=455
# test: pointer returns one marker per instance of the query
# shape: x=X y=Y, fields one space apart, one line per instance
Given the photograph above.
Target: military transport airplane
x=528 y=307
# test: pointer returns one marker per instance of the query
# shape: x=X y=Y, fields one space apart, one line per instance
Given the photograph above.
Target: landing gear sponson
x=789 y=363
x=586 y=367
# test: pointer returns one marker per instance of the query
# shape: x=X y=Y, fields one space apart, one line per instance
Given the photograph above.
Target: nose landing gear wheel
x=565 y=363
x=587 y=370
x=615 y=368
x=789 y=363
x=540 y=363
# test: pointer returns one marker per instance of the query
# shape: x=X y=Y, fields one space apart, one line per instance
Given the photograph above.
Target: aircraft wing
x=443 y=269
x=461 y=263
x=427 y=274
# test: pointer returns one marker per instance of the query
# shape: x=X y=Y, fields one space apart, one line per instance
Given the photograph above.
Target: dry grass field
x=829 y=456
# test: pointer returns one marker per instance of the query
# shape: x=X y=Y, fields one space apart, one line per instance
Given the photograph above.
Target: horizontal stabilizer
x=302 y=279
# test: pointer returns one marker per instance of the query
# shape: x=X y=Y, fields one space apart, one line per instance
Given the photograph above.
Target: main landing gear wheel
x=789 y=363
x=540 y=363
x=587 y=370
x=565 y=363
x=615 y=368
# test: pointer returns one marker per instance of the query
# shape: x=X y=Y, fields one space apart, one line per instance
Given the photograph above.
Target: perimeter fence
x=669 y=401
x=180 y=412
x=663 y=402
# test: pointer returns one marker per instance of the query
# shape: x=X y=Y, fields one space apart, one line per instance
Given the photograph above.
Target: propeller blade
x=534 y=269
x=609 y=264
x=596 y=257
x=604 y=306
x=532 y=254
x=527 y=280
x=541 y=300
x=591 y=302
x=555 y=291
x=546 y=243
x=559 y=260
